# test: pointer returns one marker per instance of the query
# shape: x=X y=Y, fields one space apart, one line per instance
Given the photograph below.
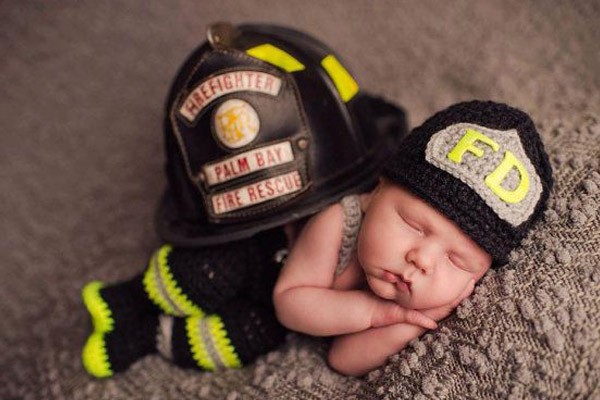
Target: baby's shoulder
x=328 y=225
x=328 y=220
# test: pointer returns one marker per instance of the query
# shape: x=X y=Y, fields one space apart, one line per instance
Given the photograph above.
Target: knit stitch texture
x=460 y=198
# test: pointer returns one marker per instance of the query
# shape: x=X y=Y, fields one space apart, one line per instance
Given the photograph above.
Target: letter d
x=494 y=179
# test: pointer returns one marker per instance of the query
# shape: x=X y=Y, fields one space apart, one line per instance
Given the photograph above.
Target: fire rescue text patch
x=491 y=162
x=247 y=163
x=229 y=82
x=257 y=192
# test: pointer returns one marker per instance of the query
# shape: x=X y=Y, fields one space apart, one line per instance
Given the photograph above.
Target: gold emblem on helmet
x=236 y=123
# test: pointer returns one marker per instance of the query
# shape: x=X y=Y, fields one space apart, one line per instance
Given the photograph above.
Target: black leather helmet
x=264 y=125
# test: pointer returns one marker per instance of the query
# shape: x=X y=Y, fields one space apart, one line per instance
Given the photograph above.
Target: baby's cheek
x=382 y=289
x=373 y=254
x=438 y=292
x=364 y=247
x=452 y=287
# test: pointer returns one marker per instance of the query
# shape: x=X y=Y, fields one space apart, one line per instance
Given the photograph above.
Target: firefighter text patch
x=220 y=85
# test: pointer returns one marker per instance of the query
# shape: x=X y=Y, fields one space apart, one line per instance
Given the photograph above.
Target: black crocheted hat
x=484 y=166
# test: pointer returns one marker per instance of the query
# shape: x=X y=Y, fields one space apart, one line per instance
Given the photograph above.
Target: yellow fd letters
x=493 y=163
x=468 y=143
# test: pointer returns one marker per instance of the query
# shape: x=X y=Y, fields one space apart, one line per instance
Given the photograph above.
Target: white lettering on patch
x=229 y=82
x=256 y=193
x=248 y=162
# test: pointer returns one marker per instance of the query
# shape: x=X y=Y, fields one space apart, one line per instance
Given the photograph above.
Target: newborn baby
x=460 y=194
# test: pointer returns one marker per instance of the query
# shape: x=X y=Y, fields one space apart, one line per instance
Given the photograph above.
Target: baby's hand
x=441 y=312
x=388 y=313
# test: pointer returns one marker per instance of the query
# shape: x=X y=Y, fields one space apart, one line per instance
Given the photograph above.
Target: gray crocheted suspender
x=352 y=221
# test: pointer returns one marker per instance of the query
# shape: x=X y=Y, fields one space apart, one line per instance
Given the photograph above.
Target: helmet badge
x=235 y=123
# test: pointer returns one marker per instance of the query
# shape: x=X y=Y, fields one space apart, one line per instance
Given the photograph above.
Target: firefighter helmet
x=264 y=125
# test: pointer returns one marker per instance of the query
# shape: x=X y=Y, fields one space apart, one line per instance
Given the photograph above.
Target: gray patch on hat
x=473 y=170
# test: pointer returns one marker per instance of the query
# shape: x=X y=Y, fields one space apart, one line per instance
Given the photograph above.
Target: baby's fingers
x=416 y=318
x=389 y=313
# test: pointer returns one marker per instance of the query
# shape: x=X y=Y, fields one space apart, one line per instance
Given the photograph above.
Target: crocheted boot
x=108 y=306
x=107 y=353
x=198 y=281
x=233 y=338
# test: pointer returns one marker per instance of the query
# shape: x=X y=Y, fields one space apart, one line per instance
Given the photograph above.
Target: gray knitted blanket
x=83 y=85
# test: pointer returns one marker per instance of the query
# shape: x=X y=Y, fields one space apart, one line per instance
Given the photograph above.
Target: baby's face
x=413 y=254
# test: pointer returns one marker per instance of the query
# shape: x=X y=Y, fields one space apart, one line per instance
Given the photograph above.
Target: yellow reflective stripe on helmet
x=222 y=343
x=97 y=307
x=343 y=81
x=162 y=288
x=274 y=55
x=95 y=358
x=199 y=351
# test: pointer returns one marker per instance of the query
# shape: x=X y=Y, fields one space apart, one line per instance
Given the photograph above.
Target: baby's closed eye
x=459 y=262
x=412 y=224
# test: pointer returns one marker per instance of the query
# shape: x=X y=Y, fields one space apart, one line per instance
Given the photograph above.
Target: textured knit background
x=82 y=87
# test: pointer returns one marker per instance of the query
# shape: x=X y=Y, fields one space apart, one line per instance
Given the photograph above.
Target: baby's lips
x=389 y=277
x=400 y=282
x=403 y=285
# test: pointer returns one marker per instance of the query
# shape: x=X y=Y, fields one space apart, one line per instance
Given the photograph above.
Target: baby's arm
x=305 y=300
x=358 y=353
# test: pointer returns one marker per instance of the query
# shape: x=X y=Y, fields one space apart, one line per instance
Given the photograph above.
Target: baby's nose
x=423 y=259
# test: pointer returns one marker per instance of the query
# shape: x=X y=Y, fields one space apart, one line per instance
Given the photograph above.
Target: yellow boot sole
x=97 y=307
x=94 y=357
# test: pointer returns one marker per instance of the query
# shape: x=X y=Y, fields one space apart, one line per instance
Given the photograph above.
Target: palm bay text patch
x=217 y=86
x=248 y=162
x=491 y=162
